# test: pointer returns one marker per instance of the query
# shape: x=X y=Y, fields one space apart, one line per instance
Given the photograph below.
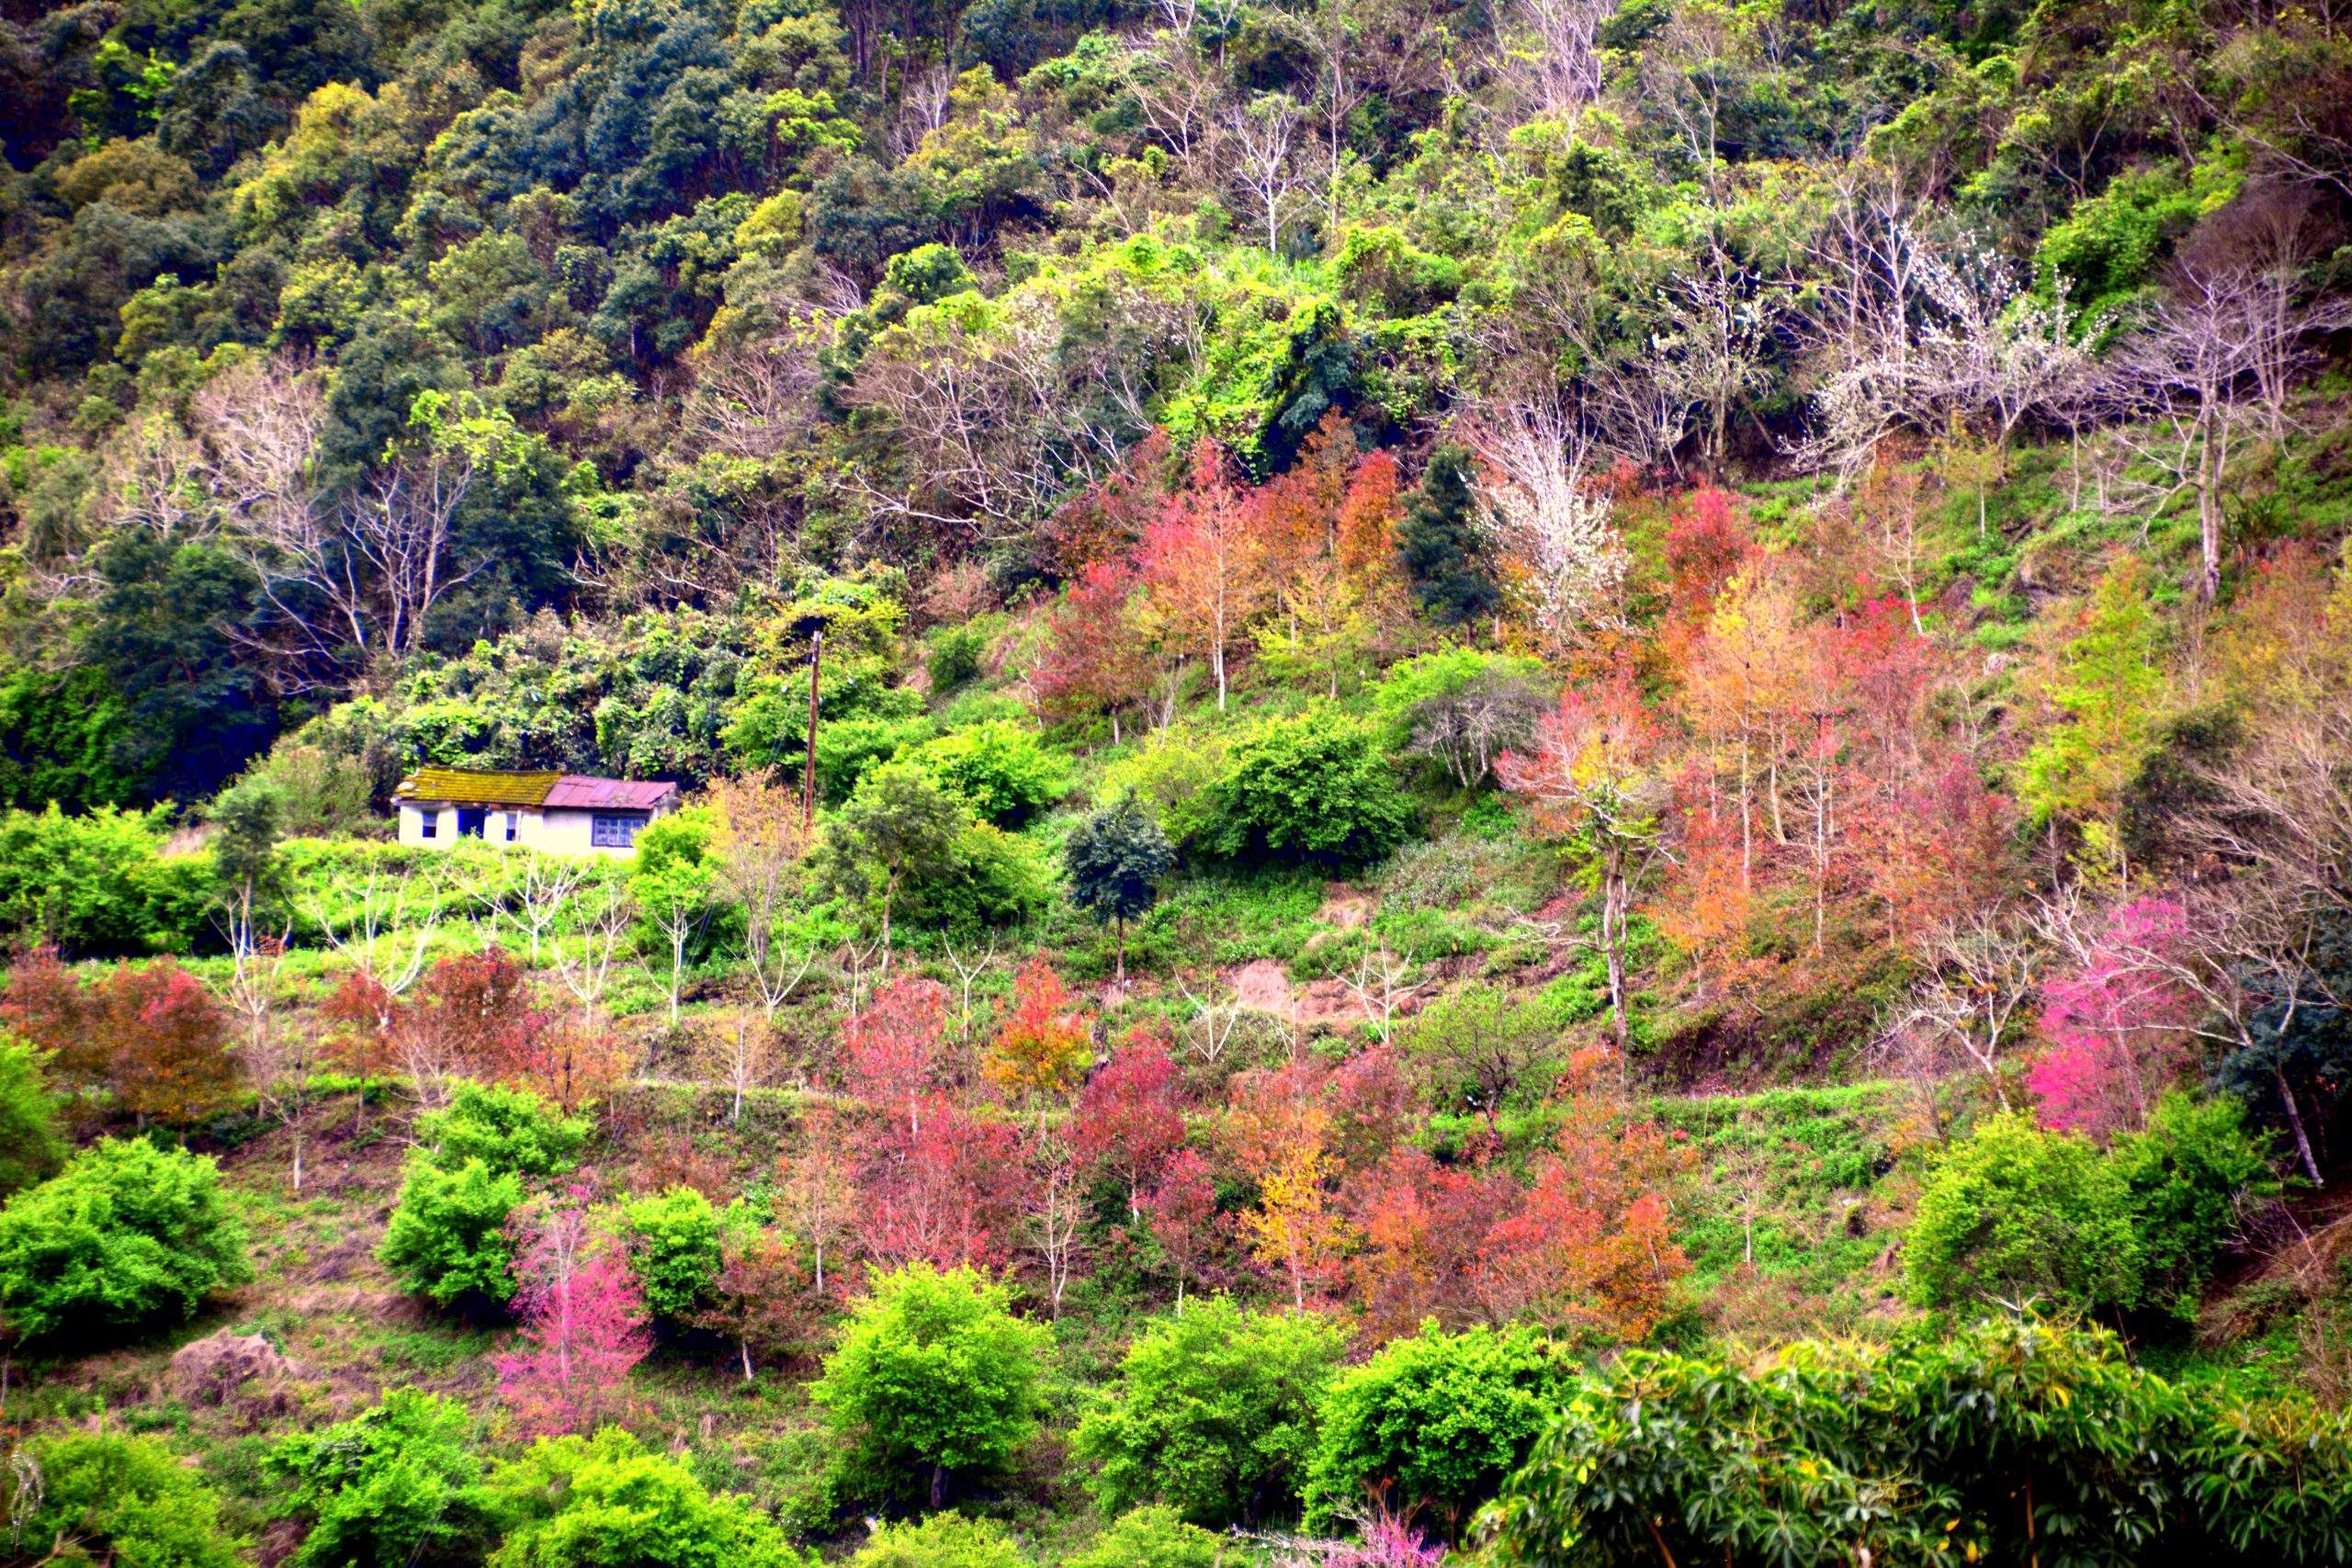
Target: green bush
x=1151 y=1537
x=1174 y=773
x=1432 y=1426
x=99 y=883
x=996 y=767
x=511 y=1131
x=396 y=1486
x=956 y=652
x=932 y=1377
x=2012 y=1213
x=1213 y=1413
x=30 y=1147
x=448 y=1240
x=102 y=1497
x=604 y=1502
x=2010 y=1441
x=2186 y=1175
x=940 y=1540
x=129 y=1236
x=674 y=1250
x=1315 y=788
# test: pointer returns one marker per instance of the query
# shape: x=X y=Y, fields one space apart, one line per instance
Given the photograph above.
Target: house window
x=511 y=817
x=611 y=831
x=428 y=824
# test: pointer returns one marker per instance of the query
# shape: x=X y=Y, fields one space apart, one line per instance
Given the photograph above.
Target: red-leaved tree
x=890 y=1052
x=1130 y=1116
x=2118 y=1025
x=583 y=1324
x=944 y=1188
x=1180 y=1207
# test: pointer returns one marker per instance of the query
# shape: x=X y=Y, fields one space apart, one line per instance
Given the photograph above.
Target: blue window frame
x=614 y=829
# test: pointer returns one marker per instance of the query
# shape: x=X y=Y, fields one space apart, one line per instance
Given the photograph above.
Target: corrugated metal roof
x=467 y=786
x=582 y=793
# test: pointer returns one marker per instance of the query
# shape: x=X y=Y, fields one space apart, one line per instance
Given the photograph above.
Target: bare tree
x=539 y=889
x=398 y=526
x=1545 y=512
x=584 y=954
x=739 y=1053
x=1210 y=1028
x=1552 y=55
x=1263 y=133
x=761 y=842
x=1057 y=1218
x=276 y=1055
x=1378 y=985
x=1984 y=976
x=2218 y=347
x=1718 y=318
x=387 y=945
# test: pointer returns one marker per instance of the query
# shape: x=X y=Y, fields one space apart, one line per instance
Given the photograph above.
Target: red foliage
x=1203 y=563
x=1366 y=540
x=945 y=1190
x=1938 y=849
x=45 y=1007
x=1180 y=1207
x=890 y=1051
x=1130 y=1117
x=1589 y=1247
x=1372 y=1105
x=473 y=1015
x=1102 y=521
x=1420 y=1225
x=1096 y=659
x=583 y=1325
x=2117 y=1025
x=168 y=1042
x=363 y=1018
x=1706 y=542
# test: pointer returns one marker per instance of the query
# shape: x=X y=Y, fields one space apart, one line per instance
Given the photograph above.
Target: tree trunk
x=2295 y=1121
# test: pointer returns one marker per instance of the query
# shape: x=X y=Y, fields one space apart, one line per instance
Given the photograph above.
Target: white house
x=567 y=814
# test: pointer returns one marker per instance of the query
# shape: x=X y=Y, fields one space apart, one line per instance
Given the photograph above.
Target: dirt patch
x=225 y=1366
x=1260 y=986
x=1346 y=907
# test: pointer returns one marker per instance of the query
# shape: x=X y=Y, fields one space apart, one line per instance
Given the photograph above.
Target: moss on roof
x=465 y=786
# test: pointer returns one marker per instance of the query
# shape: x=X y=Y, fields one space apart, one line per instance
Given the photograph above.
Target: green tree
x=1115 y=861
x=2112 y=690
x=940 y=1540
x=998 y=767
x=604 y=1502
x=2189 y=1175
x=2012 y=1213
x=129 y=1236
x=447 y=1240
x=674 y=1251
x=900 y=825
x=107 y=1498
x=397 y=1485
x=30 y=1147
x=1151 y=1537
x=1318 y=787
x=1433 y=1424
x=933 y=1375
x=1441 y=545
x=1213 y=1413
x=511 y=1131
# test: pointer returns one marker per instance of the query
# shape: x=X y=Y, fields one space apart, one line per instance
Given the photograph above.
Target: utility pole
x=808 y=767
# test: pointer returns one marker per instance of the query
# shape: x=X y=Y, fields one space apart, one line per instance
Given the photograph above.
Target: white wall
x=558 y=832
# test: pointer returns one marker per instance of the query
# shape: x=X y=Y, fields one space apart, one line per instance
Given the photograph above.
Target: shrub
x=447 y=1239
x=396 y=1486
x=956 y=654
x=1213 y=1413
x=129 y=1236
x=1173 y=773
x=511 y=1131
x=1314 y=788
x=674 y=1250
x=167 y=1041
x=604 y=1502
x=1434 y=1423
x=2013 y=1213
x=2186 y=1174
x=97 y=883
x=2010 y=1441
x=104 y=1497
x=940 y=1540
x=1151 y=1537
x=30 y=1148
x=998 y=767
x=933 y=1373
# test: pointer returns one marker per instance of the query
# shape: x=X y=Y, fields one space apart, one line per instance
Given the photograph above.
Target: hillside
x=1542 y=783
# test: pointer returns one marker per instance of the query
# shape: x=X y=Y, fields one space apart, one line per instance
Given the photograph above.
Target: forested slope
x=1582 y=786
